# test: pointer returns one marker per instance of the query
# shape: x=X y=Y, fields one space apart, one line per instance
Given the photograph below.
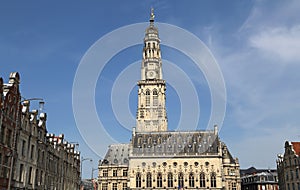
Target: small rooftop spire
x=152 y=15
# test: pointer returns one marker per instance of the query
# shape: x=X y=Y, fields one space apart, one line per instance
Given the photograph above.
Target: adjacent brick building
x=30 y=157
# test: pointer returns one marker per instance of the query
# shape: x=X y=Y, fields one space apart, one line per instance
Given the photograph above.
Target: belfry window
x=155 y=98
x=149 y=180
x=202 y=179
x=170 y=180
x=147 y=98
x=159 y=180
x=138 y=180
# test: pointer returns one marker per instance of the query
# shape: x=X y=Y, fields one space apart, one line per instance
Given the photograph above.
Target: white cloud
x=263 y=89
x=282 y=42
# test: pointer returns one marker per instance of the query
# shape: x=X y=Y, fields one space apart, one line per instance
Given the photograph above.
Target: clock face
x=151 y=74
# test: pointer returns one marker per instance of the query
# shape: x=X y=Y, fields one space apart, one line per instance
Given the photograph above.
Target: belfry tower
x=151 y=112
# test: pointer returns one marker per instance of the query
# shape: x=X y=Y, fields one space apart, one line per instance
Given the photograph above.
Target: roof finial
x=152 y=15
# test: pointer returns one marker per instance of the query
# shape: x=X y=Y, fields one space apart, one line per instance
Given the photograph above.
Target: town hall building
x=157 y=158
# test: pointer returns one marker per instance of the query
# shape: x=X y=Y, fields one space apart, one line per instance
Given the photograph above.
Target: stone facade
x=9 y=122
x=259 y=179
x=31 y=158
x=189 y=160
x=288 y=167
x=157 y=158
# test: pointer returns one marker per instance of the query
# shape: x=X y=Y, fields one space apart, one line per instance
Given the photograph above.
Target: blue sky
x=255 y=43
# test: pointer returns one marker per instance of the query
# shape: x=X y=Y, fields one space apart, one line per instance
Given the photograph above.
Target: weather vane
x=152 y=14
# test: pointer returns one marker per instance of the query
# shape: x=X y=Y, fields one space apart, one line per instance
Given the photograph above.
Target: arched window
x=155 y=98
x=159 y=180
x=191 y=180
x=149 y=180
x=170 y=180
x=147 y=98
x=180 y=180
x=213 y=181
x=202 y=179
x=138 y=180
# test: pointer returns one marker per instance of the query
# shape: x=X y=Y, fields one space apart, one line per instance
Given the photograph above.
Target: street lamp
x=93 y=169
x=41 y=102
x=82 y=160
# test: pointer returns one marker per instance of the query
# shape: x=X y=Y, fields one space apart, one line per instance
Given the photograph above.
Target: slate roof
x=117 y=154
x=252 y=170
x=175 y=143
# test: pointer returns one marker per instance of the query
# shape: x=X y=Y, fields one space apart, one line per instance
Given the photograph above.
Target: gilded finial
x=152 y=15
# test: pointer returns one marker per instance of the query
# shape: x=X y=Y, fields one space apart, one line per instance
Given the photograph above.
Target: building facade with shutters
x=157 y=158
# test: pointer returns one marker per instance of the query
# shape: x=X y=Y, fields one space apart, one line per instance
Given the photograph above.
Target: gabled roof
x=296 y=147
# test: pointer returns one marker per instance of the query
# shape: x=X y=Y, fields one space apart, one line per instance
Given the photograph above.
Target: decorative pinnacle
x=152 y=15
